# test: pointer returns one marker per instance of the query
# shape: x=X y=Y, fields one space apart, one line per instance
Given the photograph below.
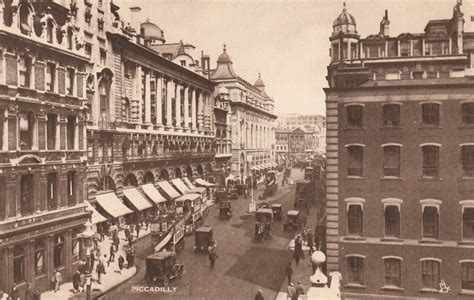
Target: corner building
x=400 y=160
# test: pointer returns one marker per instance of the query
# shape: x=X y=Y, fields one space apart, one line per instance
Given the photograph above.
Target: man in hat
x=259 y=295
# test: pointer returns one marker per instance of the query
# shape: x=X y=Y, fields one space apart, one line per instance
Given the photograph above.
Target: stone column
x=159 y=100
x=34 y=145
x=170 y=91
x=199 y=111
x=5 y=130
x=193 y=109
x=147 y=103
x=348 y=50
x=138 y=92
x=179 y=87
x=186 y=106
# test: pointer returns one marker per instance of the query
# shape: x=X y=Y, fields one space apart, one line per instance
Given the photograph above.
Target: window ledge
x=430 y=127
x=355 y=238
x=392 y=288
x=466 y=292
x=391 y=178
x=356 y=177
x=430 y=241
x=429 y=290
x=427 y=178
x=391 y=240
x=391 y=128
x=355 y=286
x=466 y=242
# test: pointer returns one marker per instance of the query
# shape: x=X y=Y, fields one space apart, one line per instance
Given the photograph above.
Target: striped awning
x=170 y=191
x=204 y=183
x=112 y=205
x=96 y=217
x=152 y=193
x=136 y=198
x=188 y=182
x=179 y=185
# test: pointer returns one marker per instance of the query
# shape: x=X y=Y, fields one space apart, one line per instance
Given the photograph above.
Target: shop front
x=109 y=204
x=138 y=203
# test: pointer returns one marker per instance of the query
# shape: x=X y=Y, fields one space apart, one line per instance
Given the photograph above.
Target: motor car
x=161 y=267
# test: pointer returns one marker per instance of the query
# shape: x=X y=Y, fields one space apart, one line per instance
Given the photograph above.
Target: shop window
x=467 y=159
x=19 y=268
x=58 y=251
x=430 y=114
x=468 y=113
x=430 y=222
x=355 y=220
x=71 y=187
x=430 y=274
x=468 y=223
x=51 y=128
x=70 y=77
x=430 y=161
x=391 y=161
x=355 y=270
x=24 y=70
x=467 y=275
x=52 y=191
x=76 y=245
x=355 y=160
x=354 y=115
x=26 y=194
x=50 y=77
x=392 y=272
x=392 y=221
x=391 y=115
x=40 y=266
x=71 y=132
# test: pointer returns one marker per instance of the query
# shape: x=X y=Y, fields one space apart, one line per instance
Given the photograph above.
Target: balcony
x=167 y=156
x=107 y=125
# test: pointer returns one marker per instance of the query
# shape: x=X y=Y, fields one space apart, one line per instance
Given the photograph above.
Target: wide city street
x=244 y=265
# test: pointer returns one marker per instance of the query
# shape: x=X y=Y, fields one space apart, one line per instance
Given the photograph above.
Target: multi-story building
x=314 y=125
x=282 y=156
x=252 y=119
x=293 y=145
x=223 y=132
x=400 y=185
x=42 y=143
x=152 y=117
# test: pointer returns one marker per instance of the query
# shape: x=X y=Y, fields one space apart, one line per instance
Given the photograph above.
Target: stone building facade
x=42 y=143
x=252 y=119
x=400 y=208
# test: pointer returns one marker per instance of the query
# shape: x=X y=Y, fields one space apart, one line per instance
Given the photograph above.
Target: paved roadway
x=243 y=265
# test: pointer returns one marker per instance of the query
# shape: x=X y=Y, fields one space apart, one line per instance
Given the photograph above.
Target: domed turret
x=151 y=32
x=344 y=23
x=224 y=57
x=224 y=69
x=259 y=83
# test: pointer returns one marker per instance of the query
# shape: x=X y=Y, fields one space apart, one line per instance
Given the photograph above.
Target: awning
x=180 y=186
x=198 y=190
x=190 y=197
x=96 y=217
x=137 y=199
x=153 y=193
x=168 y=189
x=188 y=182
x=204 y=183
x=112 y=205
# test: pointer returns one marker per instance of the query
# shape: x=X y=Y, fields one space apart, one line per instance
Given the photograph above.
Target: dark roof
x=204 y=229
x=161 y=255
x=174 y=49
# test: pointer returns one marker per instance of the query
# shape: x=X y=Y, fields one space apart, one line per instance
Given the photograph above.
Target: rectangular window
x=88 y=50
x=430 y=114
x=468 y=223
x=19 y=268
x=40 y=267
x=355 y=220
x=71 y=132
x=50 y=77
x=355 y=270
x=52 y=191
x=51 y=128
x=26 y=130
x=103 y=97
x=70 y=81
x=430 y=222
x=467 y=275
x=391 y=161
x=430 y=161
x=103 y=57
x=26 y=194
x=354 y=115
x=58 y=251
x=391 y=115
x=355 y=160
x=71 y=188
x=468 y=113
x=392 y=221
x=24 y=69
x=467 y=159
x=430 y=274
x=392 y=272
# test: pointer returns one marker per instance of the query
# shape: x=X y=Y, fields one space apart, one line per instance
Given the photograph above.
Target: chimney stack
x=135 y=14
x=385 y=25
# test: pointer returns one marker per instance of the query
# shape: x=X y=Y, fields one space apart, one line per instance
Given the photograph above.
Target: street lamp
x=252 y=206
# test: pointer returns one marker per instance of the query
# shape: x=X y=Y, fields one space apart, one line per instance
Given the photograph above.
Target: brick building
x=400 y=185
x=42 y=143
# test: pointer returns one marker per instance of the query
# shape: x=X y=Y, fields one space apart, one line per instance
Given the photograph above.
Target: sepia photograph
x=236 y=149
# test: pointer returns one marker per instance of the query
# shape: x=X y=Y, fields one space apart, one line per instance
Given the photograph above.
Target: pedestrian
x=92 y=256
x=76 y=281
x=212 y=258
x=14 y=294
x=137 y=229
x=57 y=280
x=127 y=232
x=289 y=272
x=120 y=263
x=310 y=242
x=130 y=240
x=259 y=295
x=291 y=291
x=28 y=292
x=102 y=233
x=296 y=255
x=111 y=253
x=100 y=270
x=116 y=242
x=299 y=290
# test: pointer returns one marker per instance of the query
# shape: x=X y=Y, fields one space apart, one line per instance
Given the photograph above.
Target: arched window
x=149 y=178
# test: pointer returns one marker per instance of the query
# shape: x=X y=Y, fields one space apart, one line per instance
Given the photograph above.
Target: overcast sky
x=287 y=41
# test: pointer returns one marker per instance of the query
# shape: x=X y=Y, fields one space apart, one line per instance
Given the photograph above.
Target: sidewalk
x=110 y=279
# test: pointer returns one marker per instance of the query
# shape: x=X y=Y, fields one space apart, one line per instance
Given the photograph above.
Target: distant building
x=400 y=160
x=313 y=125
x=252 y=119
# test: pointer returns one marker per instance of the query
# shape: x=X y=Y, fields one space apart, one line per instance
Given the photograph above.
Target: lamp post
x=252 y=206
